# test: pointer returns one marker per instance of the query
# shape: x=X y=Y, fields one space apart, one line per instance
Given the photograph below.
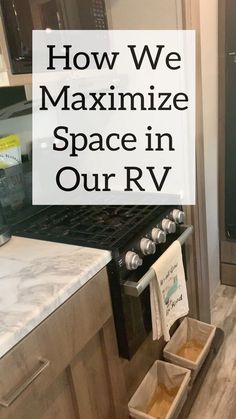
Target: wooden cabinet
x=68 y=367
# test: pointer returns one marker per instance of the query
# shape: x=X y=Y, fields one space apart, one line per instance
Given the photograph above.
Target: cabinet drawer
x=32 y=365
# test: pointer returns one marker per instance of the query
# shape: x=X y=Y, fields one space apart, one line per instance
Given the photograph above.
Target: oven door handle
x=134 y=289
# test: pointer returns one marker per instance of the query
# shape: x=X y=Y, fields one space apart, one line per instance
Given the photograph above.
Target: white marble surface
x=36 y=277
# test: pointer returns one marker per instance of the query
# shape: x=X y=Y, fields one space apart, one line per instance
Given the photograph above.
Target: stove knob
x=132 y=261
x=158 y=235
x=178 y=216
x=147 y=246
x=168 y=226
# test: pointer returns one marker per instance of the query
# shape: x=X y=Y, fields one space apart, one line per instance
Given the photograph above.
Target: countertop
x=36 y=277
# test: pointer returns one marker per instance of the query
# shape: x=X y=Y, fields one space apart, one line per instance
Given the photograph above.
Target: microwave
x=20 y=17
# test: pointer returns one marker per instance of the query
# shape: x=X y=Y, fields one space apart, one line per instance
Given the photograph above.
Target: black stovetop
x=104 y=227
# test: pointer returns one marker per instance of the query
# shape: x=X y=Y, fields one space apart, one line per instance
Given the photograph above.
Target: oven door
x=20 y=17
x=135 y=299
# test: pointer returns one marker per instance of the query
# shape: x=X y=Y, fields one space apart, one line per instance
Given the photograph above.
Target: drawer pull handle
x=6 y=402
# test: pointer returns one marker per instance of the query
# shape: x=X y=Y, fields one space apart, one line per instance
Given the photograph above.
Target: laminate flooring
x=217 y=397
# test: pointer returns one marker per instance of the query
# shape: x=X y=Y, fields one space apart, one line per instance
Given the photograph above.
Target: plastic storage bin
x=162 y=392
x=190 y=344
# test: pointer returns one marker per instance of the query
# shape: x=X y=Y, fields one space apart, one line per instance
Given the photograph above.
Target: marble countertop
x=36 y=277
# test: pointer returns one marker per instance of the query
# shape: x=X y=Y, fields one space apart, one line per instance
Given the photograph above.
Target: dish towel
x=168 y=292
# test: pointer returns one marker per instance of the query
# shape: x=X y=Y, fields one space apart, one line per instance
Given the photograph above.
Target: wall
x=160 y=14
x=148 y=14
x=209 y=41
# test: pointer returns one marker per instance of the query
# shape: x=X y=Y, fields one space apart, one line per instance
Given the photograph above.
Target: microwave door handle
x=134 y=289
x=22 y=59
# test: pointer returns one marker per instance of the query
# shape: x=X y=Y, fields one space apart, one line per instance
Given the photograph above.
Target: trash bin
x=190 y=344
x=162 y=392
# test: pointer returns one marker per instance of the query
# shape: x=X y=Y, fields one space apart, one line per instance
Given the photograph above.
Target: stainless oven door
x=135 y=325
x=134 y=289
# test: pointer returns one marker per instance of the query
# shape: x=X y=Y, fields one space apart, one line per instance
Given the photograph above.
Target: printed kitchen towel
x=168 y=292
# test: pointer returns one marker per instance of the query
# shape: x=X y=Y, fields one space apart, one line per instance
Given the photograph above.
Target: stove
x=136 y=237
x=104 y=227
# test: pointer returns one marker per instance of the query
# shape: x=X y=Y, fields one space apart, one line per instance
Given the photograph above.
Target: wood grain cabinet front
x=68 y=367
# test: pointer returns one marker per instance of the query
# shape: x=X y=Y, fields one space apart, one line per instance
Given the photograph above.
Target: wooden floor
x=217 y=397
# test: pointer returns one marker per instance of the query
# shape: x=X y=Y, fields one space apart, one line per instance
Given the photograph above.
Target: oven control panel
x=150 y=241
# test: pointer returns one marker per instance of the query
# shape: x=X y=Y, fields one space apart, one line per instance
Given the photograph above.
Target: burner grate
x=92 y=226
